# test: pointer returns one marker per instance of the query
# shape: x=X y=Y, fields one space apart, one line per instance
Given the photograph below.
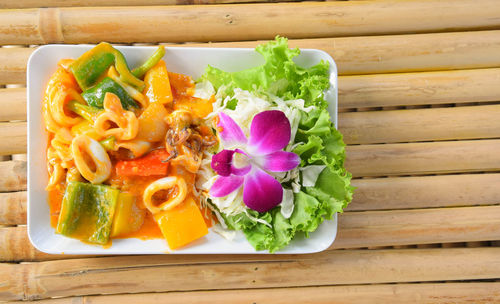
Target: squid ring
x=127 y=122
x=58 y=104
x=165 y=184
x=84 y=144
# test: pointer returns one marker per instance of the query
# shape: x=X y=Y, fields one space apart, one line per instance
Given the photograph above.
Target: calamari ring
x=61 y=85
x=127 y=122
x=58 y=103
x=84 y=144
x=165 y=183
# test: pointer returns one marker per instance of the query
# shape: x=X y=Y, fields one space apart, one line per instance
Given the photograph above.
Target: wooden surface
x=419 y=106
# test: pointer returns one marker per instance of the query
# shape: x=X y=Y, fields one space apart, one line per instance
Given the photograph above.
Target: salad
x=147 y=153
x=279 y=167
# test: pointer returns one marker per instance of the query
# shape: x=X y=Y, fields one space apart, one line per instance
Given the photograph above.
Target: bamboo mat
x=419 y=103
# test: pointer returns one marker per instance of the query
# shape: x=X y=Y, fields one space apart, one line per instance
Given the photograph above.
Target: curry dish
x=124 y=149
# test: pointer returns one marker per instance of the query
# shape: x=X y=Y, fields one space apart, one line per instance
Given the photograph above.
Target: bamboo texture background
x=419 y=107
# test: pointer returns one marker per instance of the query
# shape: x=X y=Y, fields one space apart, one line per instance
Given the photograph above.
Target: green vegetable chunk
x=151 y=62
x=95 y=95
x=87 y=212
x=92 y=64
x=108 y=143
x=88 y=113
x=87 y=72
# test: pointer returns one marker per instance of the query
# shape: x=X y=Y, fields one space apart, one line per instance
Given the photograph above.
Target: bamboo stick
x=420 y=125
x=163 y=273
x=13 y=208
x=356 y=229
x=419 y=88
x=17 y=247
x=13 y=175
x=402 y=53
x=13 y=63
x=242 y=21
x=425 y=192
x=13 y=103
x=431 y=293
x=423 y=158
x=13 y=138
x=422 y=226
x=12 y=4
x=363 y=55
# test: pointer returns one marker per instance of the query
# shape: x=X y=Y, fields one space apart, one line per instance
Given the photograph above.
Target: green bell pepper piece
x=92 y=64
x=151 y=62
x=95 y=95
x=87 y=212
x=108 y=143
x=88 y=113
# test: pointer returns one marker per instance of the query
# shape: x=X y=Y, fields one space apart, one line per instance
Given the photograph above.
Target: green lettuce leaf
x=321 y=142
x=306 y=207
x=333 y=190
x=260 y=236
x=279 y=75
x=282 y=229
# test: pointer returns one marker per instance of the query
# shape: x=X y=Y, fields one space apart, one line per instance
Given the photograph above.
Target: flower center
x=240 y=160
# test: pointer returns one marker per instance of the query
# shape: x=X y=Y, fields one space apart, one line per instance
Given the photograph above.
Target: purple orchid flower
x=247 y=165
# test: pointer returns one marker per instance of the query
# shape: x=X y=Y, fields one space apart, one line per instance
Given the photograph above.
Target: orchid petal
x=224 y=185
x=231 y=133
x=269 y=132
x=221 y=162
x=240 y=170
x=280 y=161
x=261 y=192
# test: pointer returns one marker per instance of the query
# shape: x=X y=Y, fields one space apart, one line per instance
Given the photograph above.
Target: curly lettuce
x=279 y=75
x=318 y=143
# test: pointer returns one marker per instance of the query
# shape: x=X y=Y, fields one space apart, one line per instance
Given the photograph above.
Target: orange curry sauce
x=182 y=91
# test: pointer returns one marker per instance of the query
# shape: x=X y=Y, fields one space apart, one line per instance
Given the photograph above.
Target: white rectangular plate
x=185 y=60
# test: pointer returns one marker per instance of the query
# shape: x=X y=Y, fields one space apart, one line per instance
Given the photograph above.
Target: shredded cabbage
x=287 y=203
x=310 y=174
